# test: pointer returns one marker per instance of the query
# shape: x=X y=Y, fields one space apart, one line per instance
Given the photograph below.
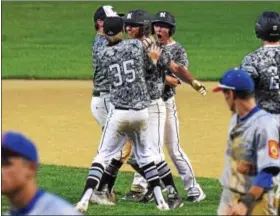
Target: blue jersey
x=252 y=146
x=45 y=203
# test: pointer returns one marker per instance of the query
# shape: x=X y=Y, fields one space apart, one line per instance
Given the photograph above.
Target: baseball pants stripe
x=172 y=141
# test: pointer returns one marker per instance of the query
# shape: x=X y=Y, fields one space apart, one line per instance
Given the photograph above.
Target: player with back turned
x=264 y=67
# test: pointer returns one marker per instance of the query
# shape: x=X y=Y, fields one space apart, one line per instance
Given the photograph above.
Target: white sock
x=158 y=195
x=87 y=195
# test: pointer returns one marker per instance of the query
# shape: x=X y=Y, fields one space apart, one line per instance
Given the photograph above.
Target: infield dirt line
x=57 y=116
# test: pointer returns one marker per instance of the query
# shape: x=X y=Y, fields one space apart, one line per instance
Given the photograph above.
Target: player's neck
x=168 y=41
x=100 y=31
x=268 y=43
x=244 y=107
x=21 y=198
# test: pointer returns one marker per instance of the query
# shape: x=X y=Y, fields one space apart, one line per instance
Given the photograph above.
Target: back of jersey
x=264 y=67
x=125 y=67
x=100 y=80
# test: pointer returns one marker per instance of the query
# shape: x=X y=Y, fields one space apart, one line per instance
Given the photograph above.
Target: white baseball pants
x=122 y=123
x=172 y=141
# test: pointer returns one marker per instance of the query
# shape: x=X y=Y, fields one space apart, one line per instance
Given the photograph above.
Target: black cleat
x=175 y=201
x=148 y=197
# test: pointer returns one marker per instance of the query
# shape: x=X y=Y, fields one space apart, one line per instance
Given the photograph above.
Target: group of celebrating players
x=134 y=103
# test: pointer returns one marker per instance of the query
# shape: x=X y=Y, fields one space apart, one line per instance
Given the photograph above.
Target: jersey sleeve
x=181 y=57
x=248 y=64
x=267 y=144
x=165 y=59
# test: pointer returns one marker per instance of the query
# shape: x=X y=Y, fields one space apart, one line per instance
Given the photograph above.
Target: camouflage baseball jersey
x=264 y=67
x=155 y=76
x=251 y=147
x=124 y=65
x=100 y=81
x=179 y=56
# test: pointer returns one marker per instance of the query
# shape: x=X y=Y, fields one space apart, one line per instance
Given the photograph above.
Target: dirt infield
x=57 y=116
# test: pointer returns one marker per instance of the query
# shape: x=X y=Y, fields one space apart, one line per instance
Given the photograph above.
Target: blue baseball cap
x=236 y=80
x=20 y=145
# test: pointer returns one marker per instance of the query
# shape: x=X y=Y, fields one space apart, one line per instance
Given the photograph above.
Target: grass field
x=52 y=40
x=68 y=182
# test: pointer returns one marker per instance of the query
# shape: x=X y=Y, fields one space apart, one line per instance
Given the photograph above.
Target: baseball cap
x=237 y=80
x=20 y=145
x=113 y=25
x=105 y=11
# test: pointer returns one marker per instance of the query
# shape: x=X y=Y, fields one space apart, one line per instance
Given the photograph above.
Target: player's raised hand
x=154 y=53
x=149 y=41
x=199 y=87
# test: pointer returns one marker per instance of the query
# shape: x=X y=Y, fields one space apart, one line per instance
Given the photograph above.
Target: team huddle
x=134 y=106
x=133 y=101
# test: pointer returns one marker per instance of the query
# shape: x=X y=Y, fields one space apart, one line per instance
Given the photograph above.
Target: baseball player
x=123 y=61
x=20 y=163
x=164 y=27
x=252 y=154
x=264 y=67
x=100 y=102
x=137 y=24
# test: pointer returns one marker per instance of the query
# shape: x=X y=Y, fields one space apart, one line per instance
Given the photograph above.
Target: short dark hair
x=241 y=94
x=245 y=94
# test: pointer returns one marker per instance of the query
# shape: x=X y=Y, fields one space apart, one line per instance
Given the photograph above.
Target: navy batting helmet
x=268 y=26
x=167 y=18
x=139 y=17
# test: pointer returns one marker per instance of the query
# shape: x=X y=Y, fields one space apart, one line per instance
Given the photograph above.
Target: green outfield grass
x=52 y=40
x=68 y=182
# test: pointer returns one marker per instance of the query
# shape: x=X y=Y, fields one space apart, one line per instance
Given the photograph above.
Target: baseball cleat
x=112 y=196
x=148 y=197
x=163 y=206
x=196 y=194
x=101 y=198
x=134 y=196
x=82 y=206
x=175 y=201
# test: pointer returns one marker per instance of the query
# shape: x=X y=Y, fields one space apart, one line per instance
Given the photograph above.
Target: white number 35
x=128 y=73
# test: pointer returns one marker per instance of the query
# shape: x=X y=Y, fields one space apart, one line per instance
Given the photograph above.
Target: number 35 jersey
x=264 y=67
x=124 y=65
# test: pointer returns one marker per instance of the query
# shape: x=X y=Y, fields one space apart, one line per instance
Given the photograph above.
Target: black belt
x=98 y=93
x=124 y=108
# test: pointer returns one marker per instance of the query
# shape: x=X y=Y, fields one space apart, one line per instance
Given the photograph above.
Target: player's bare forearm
x=256 y=191
x=184 y=74
x=181 y=72
x=172 y=81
